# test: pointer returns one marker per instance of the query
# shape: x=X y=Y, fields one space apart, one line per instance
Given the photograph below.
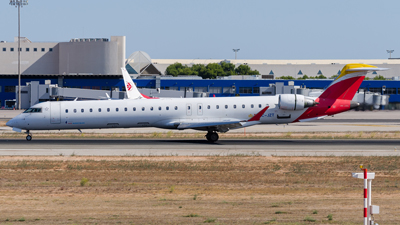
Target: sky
x=210 y=29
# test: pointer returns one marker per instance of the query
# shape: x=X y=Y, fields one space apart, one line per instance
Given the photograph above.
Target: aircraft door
x=199 y=109
x=188 y=109
x=55 y=112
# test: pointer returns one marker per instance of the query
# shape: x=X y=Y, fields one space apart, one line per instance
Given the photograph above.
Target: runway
x=352 y=121
x=198 y=147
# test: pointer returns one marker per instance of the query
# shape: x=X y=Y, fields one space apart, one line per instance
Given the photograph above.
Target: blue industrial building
x=94 y=63
x=217 y=88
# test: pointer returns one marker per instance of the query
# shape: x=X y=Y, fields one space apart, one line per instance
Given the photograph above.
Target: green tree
x=213 y=70
x=321 y=76
x=379 y=77
x=179 y=69
x=199 y=69
x=228 y=68
x=333 y=77
x=286 y=78
x=245 y=70
x=173 y=69
x=303 y=78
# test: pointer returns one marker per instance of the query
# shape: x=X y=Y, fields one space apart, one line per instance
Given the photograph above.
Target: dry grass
x=3 y=123
x=219 y=190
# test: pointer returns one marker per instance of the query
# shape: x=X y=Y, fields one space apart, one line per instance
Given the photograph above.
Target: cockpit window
x=33 y=110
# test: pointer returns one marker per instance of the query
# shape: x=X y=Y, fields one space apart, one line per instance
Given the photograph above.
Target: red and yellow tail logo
x=338 y=96
x=347 y=83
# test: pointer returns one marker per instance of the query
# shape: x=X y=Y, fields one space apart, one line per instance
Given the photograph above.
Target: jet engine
x=295 y=102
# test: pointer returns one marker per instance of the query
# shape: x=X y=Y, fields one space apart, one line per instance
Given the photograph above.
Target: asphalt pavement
x=198 y=147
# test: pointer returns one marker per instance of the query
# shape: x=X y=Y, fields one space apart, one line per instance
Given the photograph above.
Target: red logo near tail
x=129 y=86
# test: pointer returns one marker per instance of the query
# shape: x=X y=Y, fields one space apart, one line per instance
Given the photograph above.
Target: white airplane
x=209 y=114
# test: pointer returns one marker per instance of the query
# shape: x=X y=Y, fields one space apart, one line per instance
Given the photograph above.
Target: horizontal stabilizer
x=367 y=69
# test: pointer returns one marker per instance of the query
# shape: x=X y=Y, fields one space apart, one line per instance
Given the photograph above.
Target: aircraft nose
x=11 y=123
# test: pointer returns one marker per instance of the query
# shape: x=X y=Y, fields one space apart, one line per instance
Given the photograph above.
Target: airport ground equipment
x=369 y=210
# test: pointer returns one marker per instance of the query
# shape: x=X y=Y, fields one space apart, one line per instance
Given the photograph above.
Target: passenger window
x=74 y=110
x=243 y=106
x=159 y=108
x=208 y=107
x=134 y=108
x=252 y=106
x=176 y=107
x=151 y=108
x=226 y=106
x=82 y=110
x=66 y=111
x=167 y=108
x=108 y=109
x=217 y=106
x=116 y=109
x=142 y=108
x=259 y=105
x=90 y=110
x=126 y=109
x=199 y=106
x=99 y=109
x=188 y=107
x=234 y=106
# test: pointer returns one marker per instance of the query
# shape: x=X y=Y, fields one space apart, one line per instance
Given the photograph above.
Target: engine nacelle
x=295 y=102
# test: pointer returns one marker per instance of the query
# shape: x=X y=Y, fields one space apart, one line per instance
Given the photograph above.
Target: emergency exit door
x=55 y=112
x=188 y=109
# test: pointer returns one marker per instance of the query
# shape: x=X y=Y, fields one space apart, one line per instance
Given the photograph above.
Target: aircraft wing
x=222 y=126
x=225 y=125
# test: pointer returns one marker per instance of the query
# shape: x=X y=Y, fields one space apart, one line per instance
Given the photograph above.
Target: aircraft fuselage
x=162 y=113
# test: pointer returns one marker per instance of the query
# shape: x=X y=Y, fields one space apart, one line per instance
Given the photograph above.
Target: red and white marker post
x=365 y=197
x=369 y=210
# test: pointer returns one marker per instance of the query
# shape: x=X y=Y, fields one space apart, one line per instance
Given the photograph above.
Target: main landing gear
x=212 y=136
x=28 y=136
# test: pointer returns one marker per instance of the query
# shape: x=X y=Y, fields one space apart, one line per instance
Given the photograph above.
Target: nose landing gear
x=28 y=136
x=212 y=136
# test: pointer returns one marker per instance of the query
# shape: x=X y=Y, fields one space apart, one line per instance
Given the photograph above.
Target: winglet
x=131 y=90
x=258 y=115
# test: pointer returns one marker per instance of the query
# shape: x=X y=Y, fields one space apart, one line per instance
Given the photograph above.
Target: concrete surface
x=140 y=147
x=352 y=121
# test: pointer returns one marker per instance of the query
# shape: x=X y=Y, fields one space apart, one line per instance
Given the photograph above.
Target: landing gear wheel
x=212 y=136
x=28 y=137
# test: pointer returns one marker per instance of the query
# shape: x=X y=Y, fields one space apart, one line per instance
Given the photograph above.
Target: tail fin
x=131 y=90
x=347 y=83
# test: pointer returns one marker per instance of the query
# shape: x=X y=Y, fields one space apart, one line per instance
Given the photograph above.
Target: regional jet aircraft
x=208 y=114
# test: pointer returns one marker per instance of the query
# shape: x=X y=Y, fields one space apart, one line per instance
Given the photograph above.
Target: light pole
x=19 y=4
x=236 y=50
x=390 y=53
